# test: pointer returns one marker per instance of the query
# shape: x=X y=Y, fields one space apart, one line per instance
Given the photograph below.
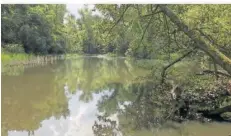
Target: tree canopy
x=166 y=32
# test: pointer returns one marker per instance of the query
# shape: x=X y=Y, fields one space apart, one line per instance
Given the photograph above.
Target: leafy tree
x=38 y=27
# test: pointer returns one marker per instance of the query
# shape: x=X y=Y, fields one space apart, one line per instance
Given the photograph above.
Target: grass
x=72 y=56
x=112 y=55
x=11 y=57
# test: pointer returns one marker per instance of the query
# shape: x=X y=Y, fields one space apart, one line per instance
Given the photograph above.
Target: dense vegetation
x=141 y=31
x=189 y=43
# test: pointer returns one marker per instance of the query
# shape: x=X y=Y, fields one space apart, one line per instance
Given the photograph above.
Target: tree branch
x=149 y=22
x=118 y=19
x=163 y=74
x=147 y=15
x=220 y=58
x=168 y=33
x=153 y=13
x=213 y=72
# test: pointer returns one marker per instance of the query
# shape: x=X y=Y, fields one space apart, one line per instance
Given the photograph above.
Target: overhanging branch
x=118 y=19
x=149 y=22
x=153 y=13
x=202 y=44
x=145 y=30
x=163 y=74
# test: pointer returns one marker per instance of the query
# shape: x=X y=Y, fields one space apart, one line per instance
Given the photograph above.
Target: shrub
x=13 y=48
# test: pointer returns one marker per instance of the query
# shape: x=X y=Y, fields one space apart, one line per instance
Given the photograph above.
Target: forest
x=190 y=46
x=140 y=31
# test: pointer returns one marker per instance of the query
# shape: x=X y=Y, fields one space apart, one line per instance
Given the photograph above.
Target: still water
x=85 y=96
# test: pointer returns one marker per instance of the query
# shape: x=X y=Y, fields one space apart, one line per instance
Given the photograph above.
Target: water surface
x=73 y=97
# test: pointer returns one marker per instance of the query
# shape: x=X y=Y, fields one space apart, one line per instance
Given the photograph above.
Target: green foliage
x=37 y=27
x=127 y=30
x=10 y=57
x=13 y=48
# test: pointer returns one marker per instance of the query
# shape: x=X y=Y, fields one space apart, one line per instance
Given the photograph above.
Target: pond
x=88 y=96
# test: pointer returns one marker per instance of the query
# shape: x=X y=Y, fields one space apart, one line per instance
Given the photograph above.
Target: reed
x=11 y=59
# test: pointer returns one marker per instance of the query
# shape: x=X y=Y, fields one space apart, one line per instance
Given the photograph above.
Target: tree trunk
x=201 y=43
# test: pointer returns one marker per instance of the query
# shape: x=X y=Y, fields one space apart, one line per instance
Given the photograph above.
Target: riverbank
x=12 y=59
x=15 y=63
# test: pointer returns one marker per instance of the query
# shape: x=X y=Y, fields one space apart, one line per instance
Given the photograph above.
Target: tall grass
x=15 y=63
x=13 y=57
x=72 y=56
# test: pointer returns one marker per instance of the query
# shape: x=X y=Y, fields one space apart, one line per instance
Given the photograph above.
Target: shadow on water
x=91 y=96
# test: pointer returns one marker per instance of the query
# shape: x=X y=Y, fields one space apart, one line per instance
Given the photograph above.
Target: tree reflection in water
x=149 y=108
x=138 y=105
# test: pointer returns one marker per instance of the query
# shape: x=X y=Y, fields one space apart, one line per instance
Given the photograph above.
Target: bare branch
x=149 y=22
x=163 y=74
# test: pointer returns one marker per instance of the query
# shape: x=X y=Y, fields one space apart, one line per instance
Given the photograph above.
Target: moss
x=220 y=54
